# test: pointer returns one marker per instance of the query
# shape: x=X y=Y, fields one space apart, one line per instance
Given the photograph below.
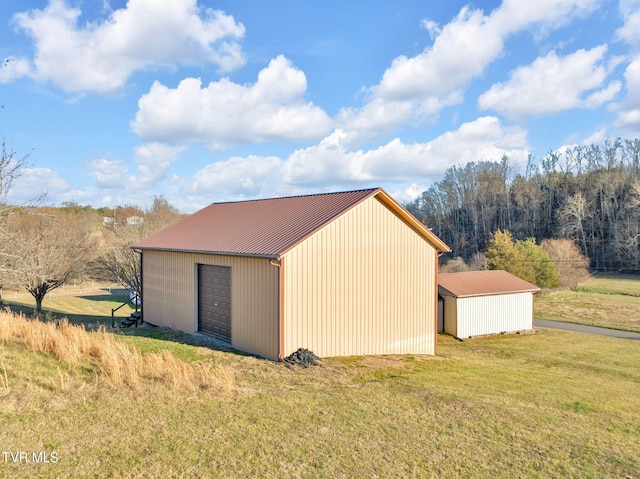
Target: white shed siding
x=480 y=315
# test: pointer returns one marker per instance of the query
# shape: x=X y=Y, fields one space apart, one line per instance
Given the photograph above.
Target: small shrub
x=455 y=265
x=570 y=262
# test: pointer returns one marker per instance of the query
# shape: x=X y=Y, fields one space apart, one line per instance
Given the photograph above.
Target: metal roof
x=268 y=227
x=482 y=283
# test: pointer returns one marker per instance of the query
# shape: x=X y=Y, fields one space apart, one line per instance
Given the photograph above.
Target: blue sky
x=203 y=101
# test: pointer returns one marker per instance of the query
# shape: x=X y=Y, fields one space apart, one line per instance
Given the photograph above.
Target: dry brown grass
x=114 y=361
x=4 y=378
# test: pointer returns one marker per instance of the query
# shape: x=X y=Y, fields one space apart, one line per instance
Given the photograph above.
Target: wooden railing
x=135 y=299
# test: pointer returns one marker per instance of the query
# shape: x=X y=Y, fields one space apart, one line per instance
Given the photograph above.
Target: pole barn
x=348 y=273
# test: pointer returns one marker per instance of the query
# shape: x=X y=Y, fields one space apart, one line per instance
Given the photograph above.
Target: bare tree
x=43 y=250
x=454 y=265
x=160 y=215
x=121 y=264
x=630 y=229
x=574 y=213
x=11 y=167
x=570 y=262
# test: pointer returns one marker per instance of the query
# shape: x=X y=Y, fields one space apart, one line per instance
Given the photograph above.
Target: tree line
x=589 y=194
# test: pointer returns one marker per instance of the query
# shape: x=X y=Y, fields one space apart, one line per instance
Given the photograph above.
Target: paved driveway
x=544 y=323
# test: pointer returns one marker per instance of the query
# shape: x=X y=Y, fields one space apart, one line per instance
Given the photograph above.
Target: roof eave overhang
x=446 y=292
x=397 y=208
x=219 y=253
x=440 y=245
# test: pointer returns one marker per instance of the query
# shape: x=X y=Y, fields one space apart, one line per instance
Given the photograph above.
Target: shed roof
x=483 y=283
x=269 y=227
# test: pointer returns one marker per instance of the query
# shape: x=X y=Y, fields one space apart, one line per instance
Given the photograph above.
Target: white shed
x=478 y=303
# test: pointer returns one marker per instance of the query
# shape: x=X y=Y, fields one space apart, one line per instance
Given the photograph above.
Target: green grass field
x=553 y=404
x=548 y=405
x=88 y=304
x=606 y=300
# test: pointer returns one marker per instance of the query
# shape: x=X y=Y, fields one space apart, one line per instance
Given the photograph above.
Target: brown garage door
x=214 y=300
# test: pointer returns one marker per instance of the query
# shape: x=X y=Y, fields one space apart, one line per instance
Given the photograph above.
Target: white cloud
x=409 y=193
x=482 y=139
x=238 y=177
x=596 y=138
x=630 y=31
x=432 y=27
x=375 y=118
x=465 y=46
x=114 y=178
x=225 y=113
x=13 y=68
x=461 y=51
x=552 y=84
x=35 y=182
x=548 y=15
x=109 y=174
x=101 y=56
x=331 y=162
x=629 y=110
x=604 y=95
x=327 y=162
x=153 y=160
x=566 y=152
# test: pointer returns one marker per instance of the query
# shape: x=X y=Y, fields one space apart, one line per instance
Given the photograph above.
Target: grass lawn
x=554 y=404
x=89 y=304
x=610 y=301
x=613 y=283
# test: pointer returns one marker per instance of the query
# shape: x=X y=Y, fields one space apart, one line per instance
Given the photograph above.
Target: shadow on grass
x=174 y=336
x=90 y=322
x=118 y=295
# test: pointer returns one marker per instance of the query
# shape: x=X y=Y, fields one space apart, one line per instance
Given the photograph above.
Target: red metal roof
x=268 y=227
x=483 y=283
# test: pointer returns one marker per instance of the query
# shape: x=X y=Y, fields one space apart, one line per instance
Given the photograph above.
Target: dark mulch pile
x=303 y=357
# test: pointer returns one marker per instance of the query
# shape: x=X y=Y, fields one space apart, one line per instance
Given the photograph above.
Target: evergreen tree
x=502 y=254
x=538 y=264
x=523 y=258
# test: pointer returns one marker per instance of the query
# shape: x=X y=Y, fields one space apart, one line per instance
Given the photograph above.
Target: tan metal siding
x=364 y=284
x=450 y=316
x=495 y=314
x=170 y=296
